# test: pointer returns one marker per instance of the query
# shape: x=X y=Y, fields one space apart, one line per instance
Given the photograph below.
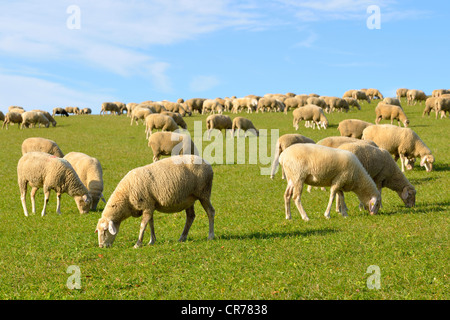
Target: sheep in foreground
x=60 y=111
x=159 y=121
x=322 y=166
x=12 y=117
x=390 y=112
x=32 y=118
x=171 y=143
x=312 y=113
x=219 y=122
x=90 y=172
x=402 y=143
x=42 y=145
x=383 y=170
x=283 y=142
x=43 y=170
x=244 y=124
x=169 y=185
x=353 y=127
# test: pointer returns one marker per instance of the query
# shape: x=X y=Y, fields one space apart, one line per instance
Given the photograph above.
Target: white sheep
x=402 y=143
x=111 y=107
x=219 y=122
x=248 y=103
x=283 y=142
x=47 y=115
x=322 y=166
x=167 y=143
x=353 y=127
x=159 y=121
x=169 y=185
x=12 y=117
x=244 y=124
x=294 y=103
x=194 y=104
x=212 y=106
x=439 y=92
x=42 y=145
x=383 y=170
x=139 y=113
x=312 y=113
x=390 y=112
x=175 y=107
x=430 y=104
x=352 y=102
x=73 y=110
x=60 y=111
x=16 y=109
x=336 y=141
x=90 y=172
x=318 y=101
x=394 y=101
x=374 y=93
x=401 y=93
x=413 y=96
x=43 y=170
x=442 y=105
x=32 y=118
x=360 y=95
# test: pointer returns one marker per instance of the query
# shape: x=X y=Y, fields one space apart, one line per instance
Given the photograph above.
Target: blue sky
x=132 y=51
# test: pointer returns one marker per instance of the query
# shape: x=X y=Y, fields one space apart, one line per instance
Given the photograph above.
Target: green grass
x=256 y=254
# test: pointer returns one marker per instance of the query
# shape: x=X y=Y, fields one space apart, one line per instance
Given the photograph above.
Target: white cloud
x=308 y=42
x=203 y=83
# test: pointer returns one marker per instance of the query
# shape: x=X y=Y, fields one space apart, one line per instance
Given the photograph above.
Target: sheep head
x=83 y=202
x=408 y=195
x=427 y=162
x=107 y=231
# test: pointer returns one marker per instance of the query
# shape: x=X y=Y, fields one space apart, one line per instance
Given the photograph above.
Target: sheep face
x=107 y=232
x=427 y=162
x=83 y=203
x=373 y=205
x=408 y=195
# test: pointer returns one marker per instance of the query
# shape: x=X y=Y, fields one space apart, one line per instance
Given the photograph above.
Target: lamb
x=42 y=145
x=177 y=117
x=90 y=172
x=374 y=93
x=164 y=143
x=47 y=115
x=283 y=142
x=60 y=111
x=194 y=104
x=442 y=105
x=219 y=122
x=12 y=117
x=352 y=102
x=244 y=124
x=401 y=93
x=413 y=96
x=360 y=95
x=390 y=112
x=336 y=141
x=112 y=107
x=159 y=121
x=383 y=170
x=402 y=143
x=310 y=112
x=169 y=185
x=31 y=118
x=43 y=170
x=322 y=166
x=353 y=127
x=139 y=113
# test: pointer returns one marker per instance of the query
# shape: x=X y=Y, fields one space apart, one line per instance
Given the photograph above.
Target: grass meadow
x=257 y=253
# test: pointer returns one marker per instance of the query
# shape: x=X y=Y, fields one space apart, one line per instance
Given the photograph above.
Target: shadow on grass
x=441 y=167
x=271 y=235
x=420 y=208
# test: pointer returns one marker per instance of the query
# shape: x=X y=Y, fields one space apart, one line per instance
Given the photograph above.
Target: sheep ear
x=372 y=203
x=405 y=193
x=86 y=198
x=112 y=228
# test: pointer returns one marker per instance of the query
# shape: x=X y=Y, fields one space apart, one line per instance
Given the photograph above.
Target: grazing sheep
x=122 y=107
x=43 y=170
x=48 y=116
x=60 y=111
x=241 y=103
x=312 y=113
x=42 y=145
x=175 y=107
x=112 y=107
x=383 y=170
x=244 y=124
x=336 y=141
x=86 y=111
x=268 y=104
x=439 y=92
x=90 y=172
x=402 y=143
x=322 y=166
x=212 y=106
x=73 y=110
x=130 y=107
x=390 y=112
x=177 y=117
x=413 y=96
x=169 y=185
x=219 y=122
x=139 y=113
x=163 y=143
x=374 y=93
x=360 y=95
x=442 y=105
x=159 y=121
x=394 y=101
x=430 y=104
x=294 y=103
x=348 y=94
x=335 y=103
x=303 y=99
x=194 y=104
x=32 y=118
x=155 y=106
x=12 y=117
x=318 y=101
x=283 y=142
x=352 y=127
x=401 y=93
x=352 y=102
x=16 y=109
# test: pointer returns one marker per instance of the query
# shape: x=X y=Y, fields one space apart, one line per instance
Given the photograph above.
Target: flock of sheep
x=362 y=160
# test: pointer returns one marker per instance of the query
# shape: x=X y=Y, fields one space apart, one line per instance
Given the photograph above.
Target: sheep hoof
x=137 y=245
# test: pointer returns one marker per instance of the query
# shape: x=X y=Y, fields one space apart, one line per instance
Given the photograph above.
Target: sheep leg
x=287 y=199
x=46 y=197
x=58 y=203
x=147 y=215
x=333 y=191
x=298 y=203
x=402 y=160
x=211 y=212
x=33 y=202
x=23 y=196
x=342 y=206
x=190 y=216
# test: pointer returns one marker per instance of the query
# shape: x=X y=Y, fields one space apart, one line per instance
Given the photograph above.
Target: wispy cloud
x=203 y=83
x=308 y=42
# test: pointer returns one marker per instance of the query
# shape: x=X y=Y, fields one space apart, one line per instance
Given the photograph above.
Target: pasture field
x=257 y=253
